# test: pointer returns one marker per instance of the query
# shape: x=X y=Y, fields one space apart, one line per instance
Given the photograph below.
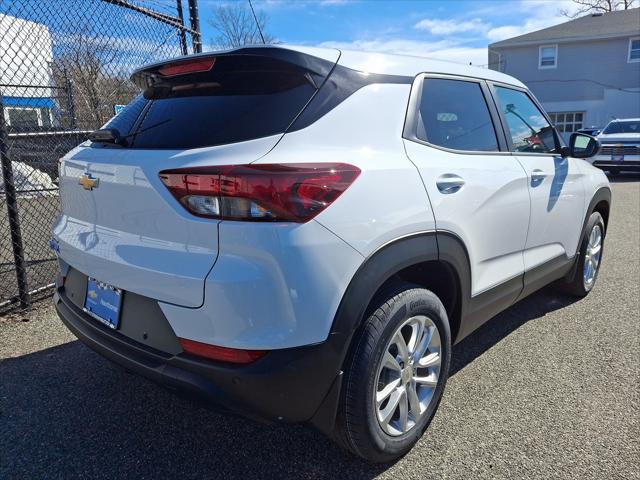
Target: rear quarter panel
x=280 y=285
x=388 y=200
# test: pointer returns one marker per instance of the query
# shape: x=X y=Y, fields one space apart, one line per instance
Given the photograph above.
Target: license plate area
x=102 y=302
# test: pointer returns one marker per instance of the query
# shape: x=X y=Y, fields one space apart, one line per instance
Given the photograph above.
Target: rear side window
x=240 y=98
x=454 y=114
x=125 y=120
x=529 y=129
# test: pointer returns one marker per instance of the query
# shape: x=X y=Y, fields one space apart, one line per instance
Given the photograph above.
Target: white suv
x=301 y=235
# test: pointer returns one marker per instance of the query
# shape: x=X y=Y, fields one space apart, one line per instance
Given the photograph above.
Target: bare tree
x=88 y=68
x=598 y=6
x=237 y=27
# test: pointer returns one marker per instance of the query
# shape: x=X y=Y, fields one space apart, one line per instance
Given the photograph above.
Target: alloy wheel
x=592 y=257
x=408 y=375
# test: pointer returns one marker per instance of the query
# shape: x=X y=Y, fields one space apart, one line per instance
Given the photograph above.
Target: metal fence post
x=12 y=212
x=194 y=20
x=183 y=36
x=70 y=105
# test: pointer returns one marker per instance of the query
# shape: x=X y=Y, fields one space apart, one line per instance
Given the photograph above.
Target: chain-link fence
x=64 y=71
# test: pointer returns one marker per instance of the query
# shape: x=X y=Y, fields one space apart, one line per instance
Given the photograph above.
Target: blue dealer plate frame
x=103 y=302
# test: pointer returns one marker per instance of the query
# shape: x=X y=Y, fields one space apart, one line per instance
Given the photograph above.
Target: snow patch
x=31 y=182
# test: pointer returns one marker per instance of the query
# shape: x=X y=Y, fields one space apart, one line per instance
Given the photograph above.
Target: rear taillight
x=185 y=67
x=275 y=192
x=222 y=354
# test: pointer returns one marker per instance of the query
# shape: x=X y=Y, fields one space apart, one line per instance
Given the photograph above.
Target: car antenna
x=257 y=22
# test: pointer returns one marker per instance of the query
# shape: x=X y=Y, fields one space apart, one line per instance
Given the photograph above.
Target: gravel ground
x=548 y=389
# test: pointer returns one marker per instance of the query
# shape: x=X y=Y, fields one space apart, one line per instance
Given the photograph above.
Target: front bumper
x=628 y=164
x=292 y=385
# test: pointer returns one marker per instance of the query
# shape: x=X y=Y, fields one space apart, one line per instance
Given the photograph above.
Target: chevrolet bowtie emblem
x=88 y=182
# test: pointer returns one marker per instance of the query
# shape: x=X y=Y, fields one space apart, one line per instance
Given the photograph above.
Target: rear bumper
x=292 y=385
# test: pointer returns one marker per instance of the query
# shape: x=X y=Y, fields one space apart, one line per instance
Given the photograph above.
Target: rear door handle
x=449 y=183
x=537 y=176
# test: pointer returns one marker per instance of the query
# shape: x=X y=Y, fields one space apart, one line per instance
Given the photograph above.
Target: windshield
x=629 y=126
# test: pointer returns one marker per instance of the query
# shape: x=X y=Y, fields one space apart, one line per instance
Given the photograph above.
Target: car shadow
x=531 y=308
x=65 y=412
x=561 y=169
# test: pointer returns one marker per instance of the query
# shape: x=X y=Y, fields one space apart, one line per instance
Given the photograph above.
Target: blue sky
x=456 y=30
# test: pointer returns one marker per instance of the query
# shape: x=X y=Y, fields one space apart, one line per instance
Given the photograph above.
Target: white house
x=26 y=54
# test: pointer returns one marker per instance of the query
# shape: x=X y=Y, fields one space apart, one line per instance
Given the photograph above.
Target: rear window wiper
x=112 y=135
x=107 y=135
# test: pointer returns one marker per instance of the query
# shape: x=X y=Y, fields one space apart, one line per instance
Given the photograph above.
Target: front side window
x=548 y=56
x=529 y=129
x=567 y=122
x=634 y=50
x=454 y=114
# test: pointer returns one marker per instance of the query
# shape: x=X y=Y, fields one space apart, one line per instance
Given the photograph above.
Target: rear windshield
x=241 y=98
x=629 y=126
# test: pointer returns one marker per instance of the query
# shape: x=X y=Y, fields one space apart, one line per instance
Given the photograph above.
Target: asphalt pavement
x=548 y=389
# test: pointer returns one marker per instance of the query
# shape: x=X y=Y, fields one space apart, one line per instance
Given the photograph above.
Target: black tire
x=575 y=285
x=357 y=426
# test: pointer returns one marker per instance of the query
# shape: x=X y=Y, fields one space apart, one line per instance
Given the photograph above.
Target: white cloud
x=440 y=50
x=447 y=27
x=539 y=14
x=325 y=3
x=486 y=24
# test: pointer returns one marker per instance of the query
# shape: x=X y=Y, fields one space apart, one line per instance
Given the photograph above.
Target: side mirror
x=582 y=145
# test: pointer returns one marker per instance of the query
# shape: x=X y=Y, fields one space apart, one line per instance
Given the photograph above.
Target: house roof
x=621 y=23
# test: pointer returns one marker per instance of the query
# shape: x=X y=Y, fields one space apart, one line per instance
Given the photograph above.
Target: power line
x=606 y=85
x=257 y=22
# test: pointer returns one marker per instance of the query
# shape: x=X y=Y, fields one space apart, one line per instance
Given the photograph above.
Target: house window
x=548 y=56
x=634 y=50
x=496 y=62
x=567 y=122
x=28 y=118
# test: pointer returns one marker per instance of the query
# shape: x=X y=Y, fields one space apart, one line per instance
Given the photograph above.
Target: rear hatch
x=119 y=223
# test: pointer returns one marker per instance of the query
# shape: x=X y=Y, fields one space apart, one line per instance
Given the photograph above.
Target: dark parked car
x=593 y=131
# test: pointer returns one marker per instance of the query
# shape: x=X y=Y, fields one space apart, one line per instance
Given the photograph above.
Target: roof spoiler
x=150 y=75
